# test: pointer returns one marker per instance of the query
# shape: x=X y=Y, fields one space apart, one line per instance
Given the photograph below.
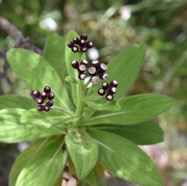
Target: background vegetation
x=112 y=25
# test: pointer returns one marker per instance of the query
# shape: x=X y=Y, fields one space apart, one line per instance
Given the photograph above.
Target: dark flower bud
x=76 y=40
x=82 y=76
x=109 y=97
x=101 y=92
x=95 y=64
x=43 y=95
x=82 y=68
x=103 y=67
x=92 y=71
x=84 y=49
x=46 y=108
x=105 y=86
x=75 y=64
x=51 y=95
x=70 y=44
x=83 y=36
x=74 y=49
x=114 y=83
x=103 y=76
x=82 y=42
x=112 y=90
x=89 y=44
x=95 y=80
x=40 y=100
x=36 y=94
x=47 y=89
x=40 y=108
x=84 y=62
x=50 y=103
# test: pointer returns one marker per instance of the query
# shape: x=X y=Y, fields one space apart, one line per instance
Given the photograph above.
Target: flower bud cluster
x=108 y=90
x=44 y=99
x=96 y=71
x=80 y=44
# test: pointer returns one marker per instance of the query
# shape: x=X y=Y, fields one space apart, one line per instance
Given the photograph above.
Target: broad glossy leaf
x=125 y=67
x=69 y=57
x=95 y=178
x=23 y=159
x=142 y=133
x=134 y=109
x=46 y=119
x=102 y=104
x=45 y=167
x=124 y=159
x=83 y=152
x=37 y=73
x=14 y=101
x=12 y=130
x=54 y=53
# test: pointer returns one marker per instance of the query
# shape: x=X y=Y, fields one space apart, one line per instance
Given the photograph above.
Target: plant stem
x=80 y=95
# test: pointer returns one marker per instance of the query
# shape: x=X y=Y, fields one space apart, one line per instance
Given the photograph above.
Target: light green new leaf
x=45 y=167
x=134 y=109
x=83 y=152
x=142 y=133
x=125 y=67
x=124 y=159
x=24 y=158
x=37 y=73
x=95 y=178
x=54 y=53
x=12 y=130
x=46 y=119
x=14 y=101
x=102 y=104
x=69 y=57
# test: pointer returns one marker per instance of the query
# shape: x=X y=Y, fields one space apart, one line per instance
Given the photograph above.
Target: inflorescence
x=95 y=70
x=80 y=44
x=44 y=99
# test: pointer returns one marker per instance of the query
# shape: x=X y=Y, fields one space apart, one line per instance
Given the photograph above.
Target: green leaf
x=70 y=79
x=46 y=119
x=54 y=53
x=102 y=104
x=95 y=178
x=69 y=57
x=37 y=73
x=83 y=152
x=45 y=167
x=125 y=67
x=124 y=159
x=12 y=130
x=141 y=134
x=134 y=109
x=23 y=159
x=14 y=101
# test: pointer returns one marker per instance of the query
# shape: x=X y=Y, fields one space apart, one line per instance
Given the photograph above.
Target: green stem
x=80 y=95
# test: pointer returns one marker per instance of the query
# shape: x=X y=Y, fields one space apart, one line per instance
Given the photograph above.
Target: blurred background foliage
x=113 y=25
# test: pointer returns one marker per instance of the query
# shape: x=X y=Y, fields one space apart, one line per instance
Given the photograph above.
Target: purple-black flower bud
x=109 y=97
x=40 y=108
x=75 y=64
x=84 y=49
x=89 y=44
x=83 y=36
x=82 y=68
x=82 y=76
x=84 y=62
x=50 y=103
x=101 y=92
x=92 y=71
x=114 y=83
x=51 y=95
x=40 y=100
x=47 y=89
x=43 y=95
x=75 y=49
x=95 y=80
x=36 y=94
x=105 y=86
x=70 y=44
x=76 y=40
x=46 y=108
